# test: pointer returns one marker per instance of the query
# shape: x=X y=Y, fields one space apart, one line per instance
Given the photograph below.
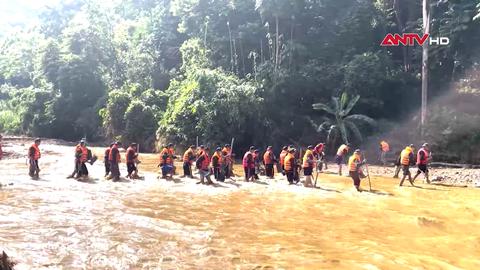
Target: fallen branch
x=453 y=165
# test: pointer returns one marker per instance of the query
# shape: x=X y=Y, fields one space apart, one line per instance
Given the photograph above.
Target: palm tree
x=342 y=123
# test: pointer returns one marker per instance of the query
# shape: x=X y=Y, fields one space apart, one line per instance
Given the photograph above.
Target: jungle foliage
x=172 y=70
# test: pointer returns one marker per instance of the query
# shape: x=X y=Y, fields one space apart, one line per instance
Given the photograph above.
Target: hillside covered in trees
x=172 y=70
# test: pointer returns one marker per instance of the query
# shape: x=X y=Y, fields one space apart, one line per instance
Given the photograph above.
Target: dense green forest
x=172 y=70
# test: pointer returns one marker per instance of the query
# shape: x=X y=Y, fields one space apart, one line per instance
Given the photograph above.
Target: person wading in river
x=407 y=159
x=354 y=163
x=115 y=159
x=340 y=157
x=131 y=157
x=106 y=161
x=423 y=157
x=308 y=165
x=269 y=160
x=188 y=158
x=283 y=154
x=249 y=164
x=228 y=161
x=202 y=164
x=217 y=165
x=290 y=166
x=33 y=157
x=166 y=161
x=81 y=157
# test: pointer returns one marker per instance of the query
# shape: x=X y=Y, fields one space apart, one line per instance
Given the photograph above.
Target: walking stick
x=368 y=175
x=316 y=177
x=230 y=167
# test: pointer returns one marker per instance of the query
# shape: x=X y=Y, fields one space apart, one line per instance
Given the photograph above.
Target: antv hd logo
x=411 y=39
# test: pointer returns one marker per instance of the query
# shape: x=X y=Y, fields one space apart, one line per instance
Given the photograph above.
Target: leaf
x=353 y=127
x=350 y=106
x=323 y=107
x=362 y=118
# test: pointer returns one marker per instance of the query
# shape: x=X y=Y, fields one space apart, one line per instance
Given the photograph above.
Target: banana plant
x=341 y=123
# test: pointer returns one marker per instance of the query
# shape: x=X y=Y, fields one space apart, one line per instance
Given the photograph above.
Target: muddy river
x=59 y=223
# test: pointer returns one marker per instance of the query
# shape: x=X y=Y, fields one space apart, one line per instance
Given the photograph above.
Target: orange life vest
x=405 y=156
x=110 y=154
x=219 y=157
x=352 y=162
x=130 y=150
x=187 y=156
x=289 y=162
x=227 y=155
x=308 y=159
x=268 y=157
x=36 y=155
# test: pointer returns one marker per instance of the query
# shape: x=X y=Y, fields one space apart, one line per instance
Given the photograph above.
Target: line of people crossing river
x=289 y=163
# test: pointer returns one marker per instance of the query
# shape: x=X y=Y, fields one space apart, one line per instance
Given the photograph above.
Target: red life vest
x=164 y=152
x=423 y=161
x=107 y=153
x=319 y=148
x=84 y=150
x=205 y=161
x=36 y=155
x=248 y=162
x=132 y=151
x=110 y=154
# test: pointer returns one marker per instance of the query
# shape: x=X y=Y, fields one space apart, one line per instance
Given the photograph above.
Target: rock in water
x=5 y=262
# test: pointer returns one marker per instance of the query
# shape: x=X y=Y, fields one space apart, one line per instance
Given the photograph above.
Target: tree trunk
x=426 y=30
x=277 y=45
x=401 y=29
x=231 y=46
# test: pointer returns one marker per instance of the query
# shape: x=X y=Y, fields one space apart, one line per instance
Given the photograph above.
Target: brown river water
x=59 y=223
